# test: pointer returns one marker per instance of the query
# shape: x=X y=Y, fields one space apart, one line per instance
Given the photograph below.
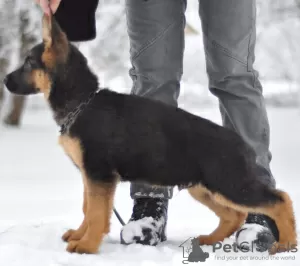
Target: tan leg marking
x=281 y=212
x=72 y=148
x=98 y=205
x=100 y=198
x=71 y=234
x=230 y=219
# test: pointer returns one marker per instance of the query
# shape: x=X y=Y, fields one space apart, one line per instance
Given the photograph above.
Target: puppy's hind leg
x=273 y=203
x=283 y=215
x=230 y=220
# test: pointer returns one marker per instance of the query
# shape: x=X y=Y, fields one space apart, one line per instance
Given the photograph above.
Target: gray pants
x=156 y=32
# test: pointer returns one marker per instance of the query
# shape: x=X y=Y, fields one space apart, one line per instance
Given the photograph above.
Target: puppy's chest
x=73 y=149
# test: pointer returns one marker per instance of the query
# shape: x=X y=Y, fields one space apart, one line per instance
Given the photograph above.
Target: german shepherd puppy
x=115 y=137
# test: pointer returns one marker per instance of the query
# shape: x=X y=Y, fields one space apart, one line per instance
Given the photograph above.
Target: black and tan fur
x=121 y=137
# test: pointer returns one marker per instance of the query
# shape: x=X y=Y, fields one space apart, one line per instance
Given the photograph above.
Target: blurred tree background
x=277 y=51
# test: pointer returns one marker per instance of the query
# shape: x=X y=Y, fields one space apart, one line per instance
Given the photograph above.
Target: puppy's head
x=46 y=63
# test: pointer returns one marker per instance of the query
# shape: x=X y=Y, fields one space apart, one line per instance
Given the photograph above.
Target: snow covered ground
x=41 y=194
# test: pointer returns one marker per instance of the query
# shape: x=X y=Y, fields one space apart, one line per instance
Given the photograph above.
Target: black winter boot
x=147 y=224
x=259 y=232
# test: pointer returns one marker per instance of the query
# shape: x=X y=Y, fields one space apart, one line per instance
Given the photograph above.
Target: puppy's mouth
x=15 y=88
x=10 y=84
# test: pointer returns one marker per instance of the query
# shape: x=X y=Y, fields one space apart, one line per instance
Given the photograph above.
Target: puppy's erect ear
x=55 y=42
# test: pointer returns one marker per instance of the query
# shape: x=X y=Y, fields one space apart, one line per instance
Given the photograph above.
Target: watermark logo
x=192 y=252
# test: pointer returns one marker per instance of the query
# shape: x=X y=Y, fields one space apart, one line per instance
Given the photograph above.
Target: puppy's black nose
x=5 y=80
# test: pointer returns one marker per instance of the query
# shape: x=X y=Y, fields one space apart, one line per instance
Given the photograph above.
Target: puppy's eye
x=29 y=63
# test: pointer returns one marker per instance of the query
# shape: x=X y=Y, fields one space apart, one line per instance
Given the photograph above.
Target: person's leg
x=156 y=33
x=229 y=31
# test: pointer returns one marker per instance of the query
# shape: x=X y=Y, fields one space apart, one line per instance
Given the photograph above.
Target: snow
x=135 y=229
x=41 y=197
x=248 y=236
x=151 y=194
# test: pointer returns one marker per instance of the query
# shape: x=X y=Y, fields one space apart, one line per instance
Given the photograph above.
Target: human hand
x=48 y=6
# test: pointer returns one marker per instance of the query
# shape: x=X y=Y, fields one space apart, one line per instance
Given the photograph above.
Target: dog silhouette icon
x=197 y=254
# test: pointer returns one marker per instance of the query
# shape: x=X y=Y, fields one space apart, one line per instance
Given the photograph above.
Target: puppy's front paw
x=67 y=235
x=82 y=247
x=71 y=234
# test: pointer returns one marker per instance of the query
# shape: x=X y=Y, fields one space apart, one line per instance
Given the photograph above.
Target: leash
x=69 y=121
x=119 y=217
